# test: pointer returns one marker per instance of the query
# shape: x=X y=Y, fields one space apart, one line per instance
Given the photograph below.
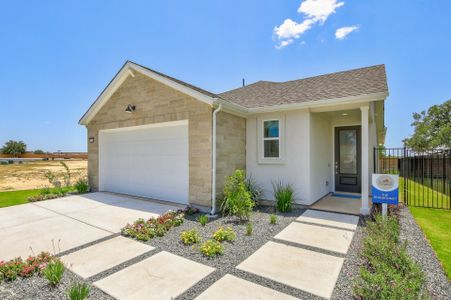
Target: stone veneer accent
x=156 y=103
x=230 y=147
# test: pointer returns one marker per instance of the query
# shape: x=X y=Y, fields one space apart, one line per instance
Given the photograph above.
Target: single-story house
x=154 y=136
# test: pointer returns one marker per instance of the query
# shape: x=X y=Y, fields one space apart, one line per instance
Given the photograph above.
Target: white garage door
x=149 y=161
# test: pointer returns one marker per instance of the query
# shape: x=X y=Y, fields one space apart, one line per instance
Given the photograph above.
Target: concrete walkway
x=62 y=224
x=309 y=255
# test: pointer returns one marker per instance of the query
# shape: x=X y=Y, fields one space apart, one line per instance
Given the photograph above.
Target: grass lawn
x=421 y=195
x=436 y=225
x=19 y=197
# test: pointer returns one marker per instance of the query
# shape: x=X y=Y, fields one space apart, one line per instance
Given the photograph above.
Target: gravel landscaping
x=234 y=253
x=38 y=288
x=419 y=249
x=351 y=265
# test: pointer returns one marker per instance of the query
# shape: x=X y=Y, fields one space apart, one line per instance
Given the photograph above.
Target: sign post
x=385 y=190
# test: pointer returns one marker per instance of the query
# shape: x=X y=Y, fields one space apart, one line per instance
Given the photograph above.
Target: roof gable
x=127 y=70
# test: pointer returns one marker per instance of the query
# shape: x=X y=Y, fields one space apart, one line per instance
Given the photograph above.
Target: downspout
x=213 y=168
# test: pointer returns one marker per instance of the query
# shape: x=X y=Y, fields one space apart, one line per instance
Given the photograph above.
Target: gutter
x=213 y=157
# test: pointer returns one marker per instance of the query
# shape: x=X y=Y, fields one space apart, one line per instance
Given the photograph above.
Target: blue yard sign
x=385 y=188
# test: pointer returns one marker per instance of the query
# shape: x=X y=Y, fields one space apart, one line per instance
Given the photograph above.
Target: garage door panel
x=146 y=161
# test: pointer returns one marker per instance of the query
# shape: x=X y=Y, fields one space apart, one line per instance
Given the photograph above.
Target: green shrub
x=272 y=219
x=211 y=248
x=389 y=272
x=222 y=234
x=160 y=230
x=190 y=237
x=17 y=267
x=254 y=189
x=37 y=198
x=145 y=230
x=54 y=272
x=237 y=199
x=249 y=228
x=12 y=269
x=45 y=191
x=178 y=219
x=203 y=220
x=284 y=195
x=139 y=230
x=82 y=185
x=78 y=291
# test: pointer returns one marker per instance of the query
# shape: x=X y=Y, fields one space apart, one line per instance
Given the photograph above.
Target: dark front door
x=347 y=159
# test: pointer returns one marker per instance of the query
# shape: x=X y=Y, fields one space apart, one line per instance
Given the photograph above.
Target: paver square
x=231 y=287
x=303 y=269
x=103 y=256
x=161 y=276
x=331 y=219
x=332 y=239
x=64 y=232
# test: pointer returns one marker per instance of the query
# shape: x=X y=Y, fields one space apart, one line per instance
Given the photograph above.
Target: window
x=271 y=139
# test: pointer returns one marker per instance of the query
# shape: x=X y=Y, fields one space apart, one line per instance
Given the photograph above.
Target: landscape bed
x=234 y=252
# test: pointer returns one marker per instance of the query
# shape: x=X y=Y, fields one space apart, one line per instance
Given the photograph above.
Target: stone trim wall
x=156 y=103
x=230 y=147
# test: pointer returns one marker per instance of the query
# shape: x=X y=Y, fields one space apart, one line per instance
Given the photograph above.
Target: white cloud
x=284 y=43
x=319 y=10
x=314 y=11
x=342 y=32
x=290 y=29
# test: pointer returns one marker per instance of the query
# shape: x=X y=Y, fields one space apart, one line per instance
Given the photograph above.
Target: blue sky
x=57 y=56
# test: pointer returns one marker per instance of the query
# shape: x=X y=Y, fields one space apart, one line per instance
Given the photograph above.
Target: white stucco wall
x=294 y=167
x=321 y=162
x=307 y=143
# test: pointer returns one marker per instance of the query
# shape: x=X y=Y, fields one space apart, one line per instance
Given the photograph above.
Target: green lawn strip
x=421 y=195
x=20 y=197
x=436 y=225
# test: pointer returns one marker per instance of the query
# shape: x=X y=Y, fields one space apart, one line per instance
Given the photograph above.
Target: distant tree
x=432 y=129
x=38 y=151
x=14 y=148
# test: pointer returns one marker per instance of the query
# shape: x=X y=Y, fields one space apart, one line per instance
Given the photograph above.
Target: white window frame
x=271 y=138
x=261 y=140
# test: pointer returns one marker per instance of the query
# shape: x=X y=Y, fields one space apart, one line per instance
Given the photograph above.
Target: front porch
x=341 y=202
x=343 y=137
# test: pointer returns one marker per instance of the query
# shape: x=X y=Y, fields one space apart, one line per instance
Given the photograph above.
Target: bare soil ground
x=31 y=175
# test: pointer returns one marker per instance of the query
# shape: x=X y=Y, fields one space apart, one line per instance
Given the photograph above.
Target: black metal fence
x=424 y=177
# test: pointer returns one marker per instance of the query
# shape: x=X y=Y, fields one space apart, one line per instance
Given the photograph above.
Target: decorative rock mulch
x=38 y=288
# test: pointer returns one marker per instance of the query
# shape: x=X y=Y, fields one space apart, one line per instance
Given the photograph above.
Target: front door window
x=348 y=151
x=347 y=159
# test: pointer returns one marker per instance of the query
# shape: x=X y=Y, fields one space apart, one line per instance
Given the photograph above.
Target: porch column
x=364 y=209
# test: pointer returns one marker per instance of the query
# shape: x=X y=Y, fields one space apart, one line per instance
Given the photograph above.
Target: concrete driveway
x=65 y=223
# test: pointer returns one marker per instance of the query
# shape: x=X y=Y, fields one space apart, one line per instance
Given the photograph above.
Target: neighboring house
x=154 y=136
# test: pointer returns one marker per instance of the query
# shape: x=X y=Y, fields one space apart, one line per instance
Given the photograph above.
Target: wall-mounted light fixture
x=91 y=140
x=344 y=114
x=130 y=108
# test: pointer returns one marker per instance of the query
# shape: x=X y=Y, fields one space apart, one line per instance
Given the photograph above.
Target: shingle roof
x=355 y=82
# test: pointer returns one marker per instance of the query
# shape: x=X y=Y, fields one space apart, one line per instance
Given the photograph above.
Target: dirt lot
x=31 y=175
